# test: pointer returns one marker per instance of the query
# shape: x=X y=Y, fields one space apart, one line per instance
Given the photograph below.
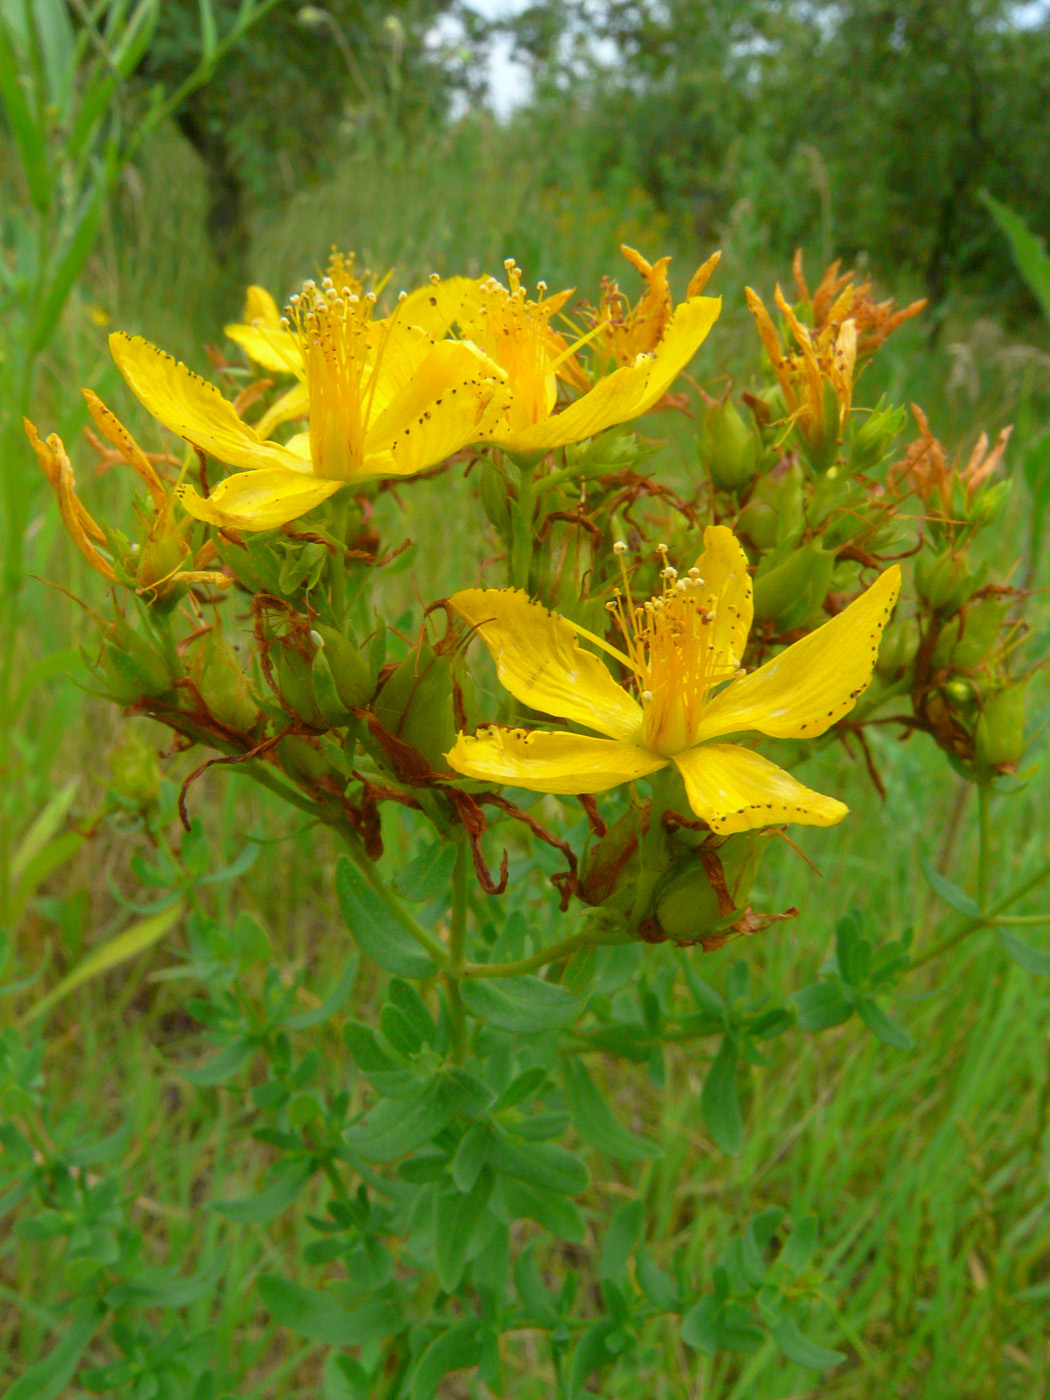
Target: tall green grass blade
x=44 y=828
x=112 y=953
x=77 y=251
x=57 y=52
x=1029 y=251
x=26 y=130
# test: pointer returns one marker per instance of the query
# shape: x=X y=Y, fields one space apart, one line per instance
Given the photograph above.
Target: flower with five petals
x=681 y=649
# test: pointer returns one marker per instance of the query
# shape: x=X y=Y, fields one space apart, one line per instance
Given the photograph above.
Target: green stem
x=340 y=508
x=554 y=953
x=985 y=921
x=1020 y=920
x=457 y=948
x=521 y=537
x=984 y=850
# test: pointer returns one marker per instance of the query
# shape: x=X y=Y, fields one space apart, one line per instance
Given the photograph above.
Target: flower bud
x=350 y=671
x=690 y=904
x=900 y=642
x=326 y=694
x=758 y=523
x=494 y=500
x=983 y=623
x=292 y=674
x=792 y=592
x=988 y=504
x=415 y=705
x=301 y=759
x=134 y=771
x=1000 y=729
x=133 y=667
x=222 y=684
x=872 y=437
x=944 y=582
x=727 y=446
x=609 y=869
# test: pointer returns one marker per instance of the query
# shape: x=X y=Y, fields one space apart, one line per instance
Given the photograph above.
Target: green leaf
x=458 y=1219
x=619 y=1240
x=317 y=1316
x=659 y=1287
x=952 y=895
x=1029 y=251
x=112 y=953
x=209 y=31
x=48 y=1379
x=798 y=1348
x=344 y=1378
x=27 y=132
x=342 y=988
x=1033 y=960
x=414 y=1010
x=266 y=1205
x=821 y=1006
x=453 y=1350
x=712 y=1326
x=594 y=1120
x=591 y=1353
x=226 y=1063
x=881 y=1026
x=43 y=828
x=719 y=1101
x=557 y=1213
x=159 y=1288
x=429 y=874
x=534 y=1296
x=396 y=1127
x=521 y=1005
x=542 y=1164
x=798 y=1251
x=379 y=933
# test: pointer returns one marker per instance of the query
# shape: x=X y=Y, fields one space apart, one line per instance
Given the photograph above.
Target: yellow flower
x=516 y=333
x=680 y=648
x=156 y=570
x=623 y=332
x=385 y=399
x=816 y=379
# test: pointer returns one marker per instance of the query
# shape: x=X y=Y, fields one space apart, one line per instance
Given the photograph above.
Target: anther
x=647 y=697
x=619 y=547
x=316 y=638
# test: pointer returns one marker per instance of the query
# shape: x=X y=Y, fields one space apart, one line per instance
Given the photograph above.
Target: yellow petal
x=270 y=346
x=259 y=306
x=448 y=403
x=295 y=403
x=727 y=593
x=114 y=431
x=540 y=662
x=626 y=393
x=543 y=762
x=259 y=500
x=437 y=306
x=733 y=789
x=805 y=689
x=189 y=406
x=58 y=469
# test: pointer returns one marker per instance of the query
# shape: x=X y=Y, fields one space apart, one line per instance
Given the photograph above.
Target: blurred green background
x=862 y=130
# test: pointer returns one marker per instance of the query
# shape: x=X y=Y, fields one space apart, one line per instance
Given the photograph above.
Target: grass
x=926 y=1169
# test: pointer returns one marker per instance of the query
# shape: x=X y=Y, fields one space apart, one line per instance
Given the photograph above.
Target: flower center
x=679 y=651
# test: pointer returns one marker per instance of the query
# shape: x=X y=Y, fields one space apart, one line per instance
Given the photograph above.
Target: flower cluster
x=752 y=604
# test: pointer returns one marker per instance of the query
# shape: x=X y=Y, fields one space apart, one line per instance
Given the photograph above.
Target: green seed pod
x=494 y=500
x=792 y=592
x=961 y=692
x=134 y=771
x=300 y=759
x=727 y=446
x=350 y=671
x=1000 y=729
x=900 y=642
x=429 y=724
x=758 y=523
x=989 y=502
x=944 y=581
x=983 y=624
x=872 y=437
x=326 y=693
x=293 y=677
x=223 y=686
x=132 y=666
x=687 y=905
x=610 y=868
x=820 y=446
